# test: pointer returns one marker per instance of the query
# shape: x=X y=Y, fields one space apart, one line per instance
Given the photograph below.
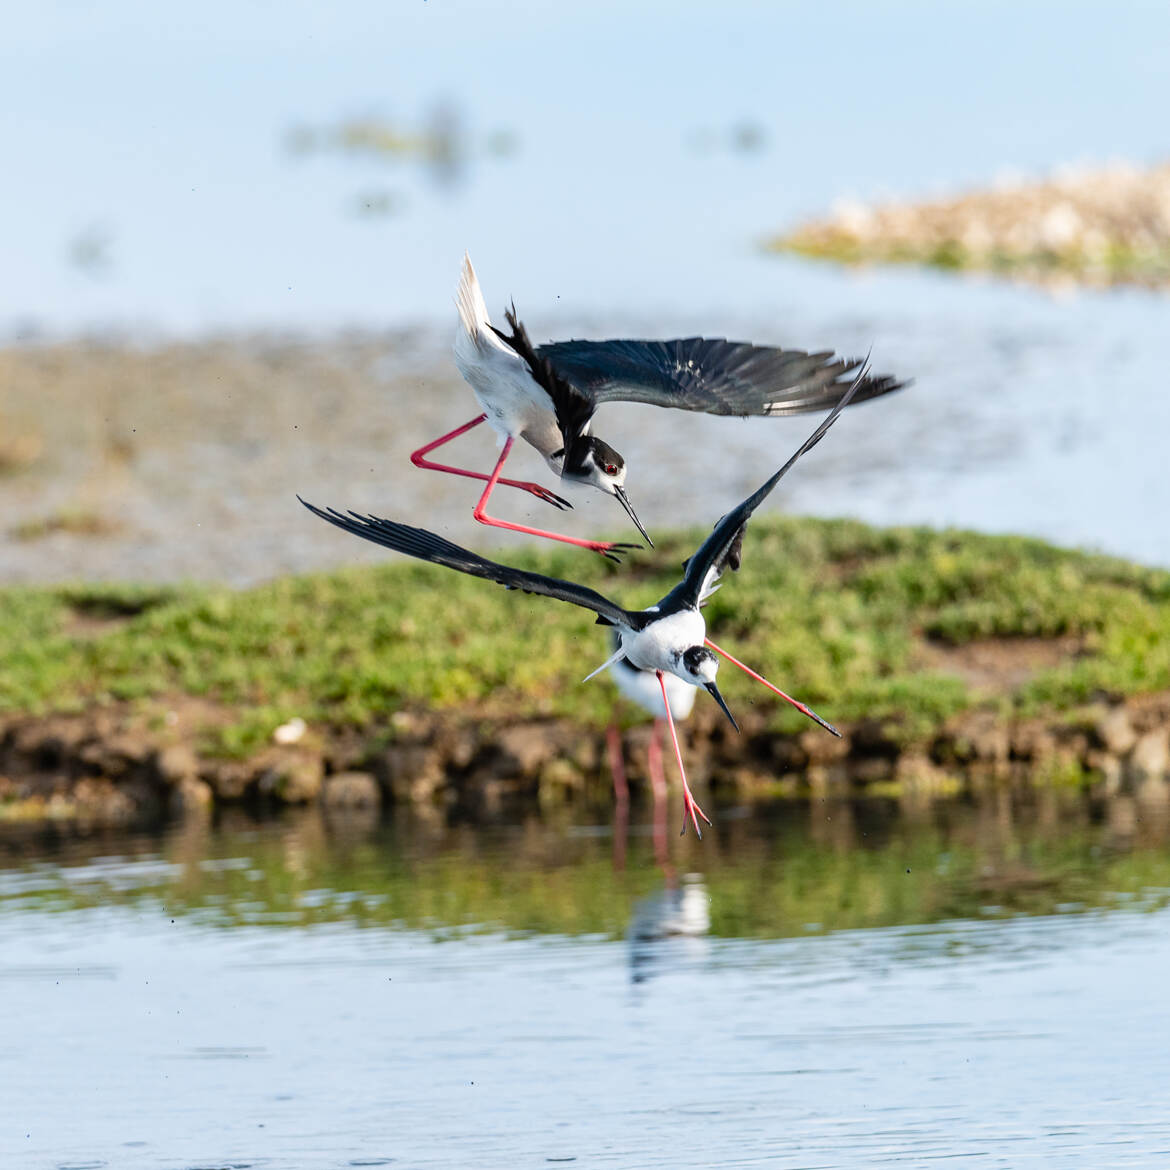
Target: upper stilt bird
x=666 y=638
x=547 y=396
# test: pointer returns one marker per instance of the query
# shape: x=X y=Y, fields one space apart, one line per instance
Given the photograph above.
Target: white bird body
x=547 y=395
x=666 y=639
x=642 y=687
x=515 y=405
x=659 y=645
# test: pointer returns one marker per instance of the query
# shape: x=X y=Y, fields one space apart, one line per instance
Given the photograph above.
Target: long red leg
x=787 y=698
x=658 y=788
x=606 y=548
x=689 y=804
x=657 y=775
x=613 y=743
x=418 y=458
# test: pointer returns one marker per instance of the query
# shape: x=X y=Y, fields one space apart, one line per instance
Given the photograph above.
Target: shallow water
x=830 y=985
x=632 y=185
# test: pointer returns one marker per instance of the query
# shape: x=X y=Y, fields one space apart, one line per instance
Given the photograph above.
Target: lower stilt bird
x=667 y=638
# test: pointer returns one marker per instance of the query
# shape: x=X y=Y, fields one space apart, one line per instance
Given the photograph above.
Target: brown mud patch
x=997 y=665
x=124 y=764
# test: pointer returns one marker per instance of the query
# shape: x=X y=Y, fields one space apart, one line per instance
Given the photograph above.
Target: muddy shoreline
x=106 y=768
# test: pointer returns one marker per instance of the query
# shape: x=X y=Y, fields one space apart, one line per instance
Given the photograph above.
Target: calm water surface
x=834 y=986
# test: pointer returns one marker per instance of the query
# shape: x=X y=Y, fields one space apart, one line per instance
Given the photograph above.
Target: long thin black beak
x=714 y=691
x=624 y=500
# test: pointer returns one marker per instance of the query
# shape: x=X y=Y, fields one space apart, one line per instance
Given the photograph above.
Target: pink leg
x=658 y=788
x=689 y=804
x=606 y=548
x=787 y=698
x=621 y=829
x=418 y=458
x=613 y=742
x=657 y=775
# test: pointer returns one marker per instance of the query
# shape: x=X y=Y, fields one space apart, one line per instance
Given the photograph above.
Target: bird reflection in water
x=670 y=925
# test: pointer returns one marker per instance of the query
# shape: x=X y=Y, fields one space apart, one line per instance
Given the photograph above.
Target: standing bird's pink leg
x=418 y=458
x=606 y=548
x=621 y=792
x=776 y=690
x=613 y=743
x=658 y=788
x=689 y=804
x=657 y=775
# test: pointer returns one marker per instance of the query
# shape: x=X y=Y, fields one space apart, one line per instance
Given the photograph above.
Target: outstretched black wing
x=709 y=375
x=723 y=547
x=418 y=542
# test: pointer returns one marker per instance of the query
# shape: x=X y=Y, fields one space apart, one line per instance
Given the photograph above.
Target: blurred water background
x=306 y=173
x=834 y=985
x=230 y=236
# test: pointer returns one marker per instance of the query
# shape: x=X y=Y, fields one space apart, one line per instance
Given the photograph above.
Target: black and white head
x=593 y=461
x=699 y=666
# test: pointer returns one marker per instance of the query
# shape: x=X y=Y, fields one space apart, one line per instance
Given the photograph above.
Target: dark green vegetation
x=788 y=870
x=855 y=620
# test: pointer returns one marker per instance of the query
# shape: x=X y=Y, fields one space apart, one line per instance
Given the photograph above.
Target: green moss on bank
x=1116 y=264
x=834 y=611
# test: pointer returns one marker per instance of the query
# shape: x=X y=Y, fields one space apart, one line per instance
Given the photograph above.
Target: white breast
x=641 y=687
x=660 y=644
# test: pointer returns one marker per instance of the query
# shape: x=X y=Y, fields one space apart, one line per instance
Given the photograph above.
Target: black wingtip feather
x=429 y=546
x=709 y=374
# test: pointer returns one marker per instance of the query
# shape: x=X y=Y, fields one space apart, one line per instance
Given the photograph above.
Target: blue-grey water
x=290 y=998
x=133 y=1042
x=828 y=986
x=651 y=147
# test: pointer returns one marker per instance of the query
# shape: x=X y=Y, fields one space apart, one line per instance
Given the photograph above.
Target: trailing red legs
x=606 y=548
x=658 y=788
x=654 y=754
x=418 y=458
x=613 y=741
x=690 y=805
x=776 y=690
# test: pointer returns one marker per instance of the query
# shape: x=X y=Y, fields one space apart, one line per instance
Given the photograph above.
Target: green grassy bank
x=855 y=620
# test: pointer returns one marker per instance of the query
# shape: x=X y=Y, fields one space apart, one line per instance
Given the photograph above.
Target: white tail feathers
x=469 y=300
x=608 y=662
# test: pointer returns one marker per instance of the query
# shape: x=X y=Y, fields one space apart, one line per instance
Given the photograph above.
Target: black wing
x=722 y=549
x=709 y=375
x=418 y=542
x=572 y=408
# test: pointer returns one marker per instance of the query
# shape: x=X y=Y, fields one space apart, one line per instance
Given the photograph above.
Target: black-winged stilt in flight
x=547 y=396
x=667 y=638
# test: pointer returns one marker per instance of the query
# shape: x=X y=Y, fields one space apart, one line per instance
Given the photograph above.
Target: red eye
x=610 y=469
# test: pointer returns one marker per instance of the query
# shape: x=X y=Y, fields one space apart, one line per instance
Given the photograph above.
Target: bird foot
x=691 y=808
x=543 y=494
x=612 y=551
